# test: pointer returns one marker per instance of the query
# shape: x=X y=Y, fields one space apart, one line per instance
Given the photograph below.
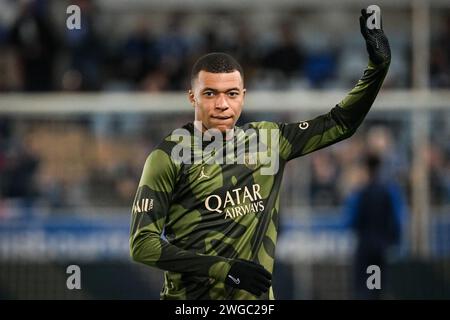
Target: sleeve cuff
x=220 y=269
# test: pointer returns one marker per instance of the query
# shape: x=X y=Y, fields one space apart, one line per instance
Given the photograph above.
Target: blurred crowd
x=38 y=169
x=104 y=161
x=121 y=52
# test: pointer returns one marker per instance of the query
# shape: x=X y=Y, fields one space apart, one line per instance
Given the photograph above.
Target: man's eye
x=209 y=93
x=233 y=94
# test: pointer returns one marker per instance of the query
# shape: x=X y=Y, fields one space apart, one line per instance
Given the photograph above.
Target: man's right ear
x=191 y=97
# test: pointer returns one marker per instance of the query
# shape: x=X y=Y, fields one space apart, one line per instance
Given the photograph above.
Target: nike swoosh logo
x=235 y=280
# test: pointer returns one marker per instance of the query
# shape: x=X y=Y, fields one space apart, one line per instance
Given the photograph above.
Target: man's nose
x=221 y=102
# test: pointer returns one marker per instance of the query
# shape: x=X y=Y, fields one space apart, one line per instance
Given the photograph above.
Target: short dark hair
x=216 y=62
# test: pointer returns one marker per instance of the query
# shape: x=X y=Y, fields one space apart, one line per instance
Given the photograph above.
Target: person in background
x=375 y=212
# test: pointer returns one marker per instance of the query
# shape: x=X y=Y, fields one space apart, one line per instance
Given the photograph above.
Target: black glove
x=376 y=42
x=249 y=276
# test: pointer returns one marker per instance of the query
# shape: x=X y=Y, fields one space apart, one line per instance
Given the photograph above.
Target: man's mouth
x=221 y=117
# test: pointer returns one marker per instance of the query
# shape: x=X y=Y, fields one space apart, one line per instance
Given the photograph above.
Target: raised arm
x=341 y=122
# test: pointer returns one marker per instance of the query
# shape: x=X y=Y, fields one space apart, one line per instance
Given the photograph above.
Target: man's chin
x=222 y=127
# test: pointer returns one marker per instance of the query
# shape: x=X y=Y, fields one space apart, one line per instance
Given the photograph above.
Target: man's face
x=218 y=99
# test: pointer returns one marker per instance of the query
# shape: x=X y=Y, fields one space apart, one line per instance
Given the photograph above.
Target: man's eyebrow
x=209 y=89
x=215 y=90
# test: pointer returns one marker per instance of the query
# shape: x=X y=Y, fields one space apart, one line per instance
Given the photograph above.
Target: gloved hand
x=376 y=42
x=249 y=276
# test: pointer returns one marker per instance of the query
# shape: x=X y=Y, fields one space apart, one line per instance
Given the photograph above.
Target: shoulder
x=261 y=125
x=177 y=137
x=161 y=157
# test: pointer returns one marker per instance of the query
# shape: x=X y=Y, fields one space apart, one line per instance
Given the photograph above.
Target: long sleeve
x=150 y=210
x=341 y=122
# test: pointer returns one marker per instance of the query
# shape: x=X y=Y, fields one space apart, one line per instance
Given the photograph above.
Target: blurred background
x=81 y=109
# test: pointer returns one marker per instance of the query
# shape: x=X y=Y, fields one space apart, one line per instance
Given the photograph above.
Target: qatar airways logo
x=257 y=149
x=237 y=202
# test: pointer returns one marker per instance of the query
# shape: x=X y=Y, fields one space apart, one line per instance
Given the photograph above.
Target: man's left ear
x=191 y=97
